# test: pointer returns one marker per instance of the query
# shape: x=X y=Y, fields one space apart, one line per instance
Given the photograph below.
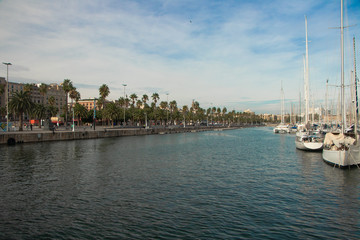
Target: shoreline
x=81 y=133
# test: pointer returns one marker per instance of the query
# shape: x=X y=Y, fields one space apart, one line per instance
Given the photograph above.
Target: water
x=235 y=184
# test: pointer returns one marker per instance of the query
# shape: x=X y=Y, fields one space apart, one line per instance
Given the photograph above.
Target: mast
x=282 y=104
x=306 y=73
x=326 y=105
x=342 y=71
x=356 y=80
x=356 y=93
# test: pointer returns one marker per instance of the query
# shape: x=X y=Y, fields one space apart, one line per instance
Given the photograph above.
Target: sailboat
x=282 y=127
x=342 y=150
x=306 y=138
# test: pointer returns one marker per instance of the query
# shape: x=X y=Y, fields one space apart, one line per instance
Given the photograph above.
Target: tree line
x=128 y=110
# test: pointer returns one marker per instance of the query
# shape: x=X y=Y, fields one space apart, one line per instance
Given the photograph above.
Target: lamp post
x=124 y=102
x=7 y=95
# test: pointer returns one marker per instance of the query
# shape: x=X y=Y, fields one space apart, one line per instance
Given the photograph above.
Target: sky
x=224 y=53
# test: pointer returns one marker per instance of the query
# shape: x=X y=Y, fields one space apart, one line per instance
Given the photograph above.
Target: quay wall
x=12 y=138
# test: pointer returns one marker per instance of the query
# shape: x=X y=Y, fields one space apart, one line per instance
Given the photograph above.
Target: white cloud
x=215 y=52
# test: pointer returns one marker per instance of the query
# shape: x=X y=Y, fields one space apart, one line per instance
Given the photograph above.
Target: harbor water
x=234 y=184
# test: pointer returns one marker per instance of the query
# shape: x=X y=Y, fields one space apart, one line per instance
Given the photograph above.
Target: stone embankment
x=40 y=135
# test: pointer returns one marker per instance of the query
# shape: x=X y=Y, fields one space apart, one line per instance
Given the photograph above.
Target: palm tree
x=155 y=97
x=104 y=91
x=20 y=103
x=52 y=111
x=139 y=103
x=145 y=98
x=43 y=90
x=39 y=112
x=121 y=101
x=74 y=95
x=51 y=100
x=112 y=112
x=80 y=111
x=133 y=98
x=185 y=109
x=67 y=87
x=28 y=87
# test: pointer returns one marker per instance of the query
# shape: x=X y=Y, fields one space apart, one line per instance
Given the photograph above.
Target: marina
x=203 y=185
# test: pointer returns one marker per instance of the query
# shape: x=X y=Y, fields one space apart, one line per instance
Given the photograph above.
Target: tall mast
x=356 y=80
x=282 y=104
x=356 y=93
x=342 y=71
x=306 y=85
x=326 y=103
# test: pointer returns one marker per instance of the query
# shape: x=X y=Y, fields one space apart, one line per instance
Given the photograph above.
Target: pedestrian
x=31 y=127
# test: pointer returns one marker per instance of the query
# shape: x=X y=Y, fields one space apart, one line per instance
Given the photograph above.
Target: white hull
x=308 y=146
x=308 y=143
x=343 y=158
x=281 y=129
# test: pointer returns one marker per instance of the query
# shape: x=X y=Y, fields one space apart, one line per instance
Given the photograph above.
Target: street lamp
x=124 y=102
x=7 y=95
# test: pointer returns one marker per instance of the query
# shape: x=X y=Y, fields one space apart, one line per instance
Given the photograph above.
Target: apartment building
x=53 y=89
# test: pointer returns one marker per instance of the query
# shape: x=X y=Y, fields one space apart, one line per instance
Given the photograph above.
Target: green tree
x=145 y=98
x=139 y=103
x=19 y=104
x=39 y=112
x=51 y=100
x=133 y=98
x=28 y=87
x=112 y=112
x=104 y=91
x=155 y=97
x=80 y=112
x=67 y=87
x=43 y=90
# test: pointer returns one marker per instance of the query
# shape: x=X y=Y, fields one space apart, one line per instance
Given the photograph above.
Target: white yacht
x=340 y=149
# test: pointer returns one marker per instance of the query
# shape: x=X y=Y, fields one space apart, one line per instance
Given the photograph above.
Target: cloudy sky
x=232 y=53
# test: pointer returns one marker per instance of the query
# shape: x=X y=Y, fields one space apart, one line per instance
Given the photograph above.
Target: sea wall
x=42 y=136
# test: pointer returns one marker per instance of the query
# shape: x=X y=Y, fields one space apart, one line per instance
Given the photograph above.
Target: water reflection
x=247 y=183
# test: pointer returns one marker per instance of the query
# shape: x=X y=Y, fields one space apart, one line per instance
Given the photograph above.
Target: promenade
x=86 y=132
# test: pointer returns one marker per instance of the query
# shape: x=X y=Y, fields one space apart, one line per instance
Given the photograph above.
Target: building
x=89 y=104
x=53 y=90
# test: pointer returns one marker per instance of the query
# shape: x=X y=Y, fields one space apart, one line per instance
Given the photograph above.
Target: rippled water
x=234 y=184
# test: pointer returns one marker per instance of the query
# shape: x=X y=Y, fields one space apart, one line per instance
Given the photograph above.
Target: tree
x=43 y=90
x=133 y=98
x=75 y=95
x=52 y=110
x=28 y=87
x=39 y=112
x=139 y=103
x=80 y=111
x=67 y=87
x=104 y=91
x=155 y=97
x=51 y=100
x=185 y=109
x=112 y=112
x=145 y=98
x=19 y=104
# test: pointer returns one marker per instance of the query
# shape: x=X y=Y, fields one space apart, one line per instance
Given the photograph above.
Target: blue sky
x=220 y=53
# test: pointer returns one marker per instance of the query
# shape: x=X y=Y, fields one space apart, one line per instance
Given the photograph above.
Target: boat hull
x=343 y=158
x=310 y=146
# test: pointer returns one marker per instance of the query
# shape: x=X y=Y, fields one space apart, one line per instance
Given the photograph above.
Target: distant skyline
x=231 y=53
